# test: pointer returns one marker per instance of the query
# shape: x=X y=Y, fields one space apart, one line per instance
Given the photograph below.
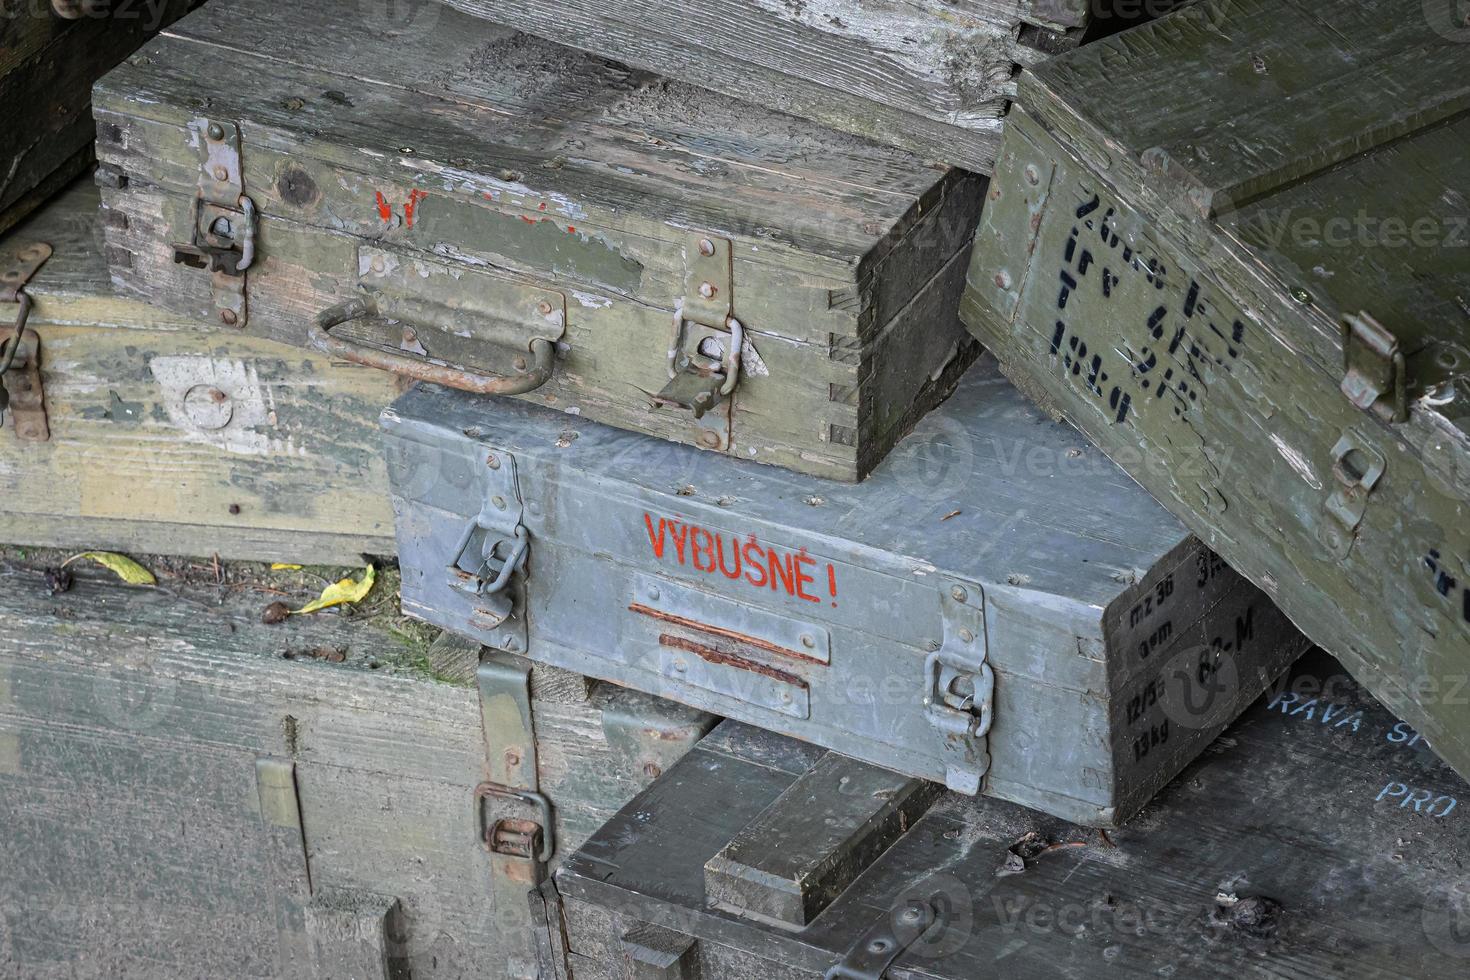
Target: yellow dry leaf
x=281 y=566
x=120 y=565
x=342 y=593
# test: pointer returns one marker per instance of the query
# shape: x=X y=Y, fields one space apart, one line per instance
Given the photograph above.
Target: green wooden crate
x=1232 y=248
x=496 y=213
x=152 y=433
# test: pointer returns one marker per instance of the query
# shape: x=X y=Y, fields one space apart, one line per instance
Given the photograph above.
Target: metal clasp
x=959 y=688
x=1373 y=368
x=527 y=839
x=484 y=562
x=697 y=382
x=223 y=237
x=20 y=353
x=1357 y=467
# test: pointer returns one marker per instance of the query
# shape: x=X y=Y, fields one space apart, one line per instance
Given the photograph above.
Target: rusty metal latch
x=223 y=237
x=700 y=377
x=878 y=948
x=1373 y=368
x=1356 y=469
x=484 y=563
x=529 y=840
x=959 y=688
x=21 y=391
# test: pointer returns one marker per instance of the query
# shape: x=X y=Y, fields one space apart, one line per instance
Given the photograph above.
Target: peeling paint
x=221 y=402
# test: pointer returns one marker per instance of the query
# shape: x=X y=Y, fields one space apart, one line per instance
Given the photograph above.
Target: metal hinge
x=708 y=341
x=222 y=239
x=21 y=391
x=515 y=820
x=1357 y=467
x=873 y=953
x=489 y=561
x=959 y=688
x=1373 y=368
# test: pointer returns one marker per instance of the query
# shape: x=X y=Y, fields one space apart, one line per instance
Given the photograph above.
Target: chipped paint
x=1296 y=461
x=221 y=402
x=591 y=301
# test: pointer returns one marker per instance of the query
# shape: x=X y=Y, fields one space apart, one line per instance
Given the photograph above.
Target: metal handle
x=547 y=849
x=12 y=343
x=524 y=380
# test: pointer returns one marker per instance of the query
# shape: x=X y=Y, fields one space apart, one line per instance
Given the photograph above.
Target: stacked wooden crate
x=702 y=428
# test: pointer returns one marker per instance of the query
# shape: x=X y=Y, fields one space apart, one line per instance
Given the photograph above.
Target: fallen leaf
x=344 y=592
x=120 y=565
x=953 y=513
x=281 y=566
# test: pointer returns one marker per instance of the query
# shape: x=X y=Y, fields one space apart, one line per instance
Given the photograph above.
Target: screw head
x=707 y=290
x=706 y=247
x=1033 y=176
x=808 y=641
x=878 y=946
x=967 y=636
x=216 y=132
x=519 y=363
x=498 y=501
x=654 y=594
x=512 y=757
x=932 y=645
x=680 y=666
x=379 y=266
x=493 y=462
x=544 y=308
x=229 y=317
x=785 y=697
x=912 y=914
x=1301 y=295
x=221 y=174
x=709 y=439
x=652 y=770
x=959 y=594
x=1003 y=279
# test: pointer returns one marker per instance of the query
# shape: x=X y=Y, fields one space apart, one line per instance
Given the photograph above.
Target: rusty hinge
x=521 y=843
x=708 y=342
x=22 y=393
x=222 y=240
x=1373 y=368
x=875 y=951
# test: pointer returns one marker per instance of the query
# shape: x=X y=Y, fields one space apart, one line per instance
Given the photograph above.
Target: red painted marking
x=541 y=206
x=758 y=565
x=414 y=197
x=529 y=221
x=489 y=195
x=571 y=229
x=385 y=210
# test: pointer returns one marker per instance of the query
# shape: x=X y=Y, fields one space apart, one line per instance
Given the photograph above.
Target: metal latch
x=222 y=240
x=1357 y=467
x=700 y=381
x=529 y=840
x=877 y=949
x=20 y=353
x=959 y=688
x=1373 y=368
x=488 y=563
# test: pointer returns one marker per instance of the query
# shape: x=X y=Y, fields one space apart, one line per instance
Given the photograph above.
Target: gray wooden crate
x=1318 y=838
x=1231 y=247
x=651 y=256
x=185 y=791
x=51 y=51
x=160 y=436
x=998 y=607
x=932 y=76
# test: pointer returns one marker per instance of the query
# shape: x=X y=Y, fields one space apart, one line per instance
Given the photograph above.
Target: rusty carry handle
x=523 y=381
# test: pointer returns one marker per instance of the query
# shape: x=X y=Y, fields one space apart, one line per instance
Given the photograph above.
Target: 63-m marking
x=760 y=566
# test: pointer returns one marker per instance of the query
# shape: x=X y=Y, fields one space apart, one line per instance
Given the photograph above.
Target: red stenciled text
x=759 y=565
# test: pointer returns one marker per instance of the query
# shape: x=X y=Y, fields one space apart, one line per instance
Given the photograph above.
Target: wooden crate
x=931 y=76
x=1231 y=247
x=51 y=51
x=998 y=607
x=165 y=436
x=1318 y=838
x=526 y=219
x=187 y=791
